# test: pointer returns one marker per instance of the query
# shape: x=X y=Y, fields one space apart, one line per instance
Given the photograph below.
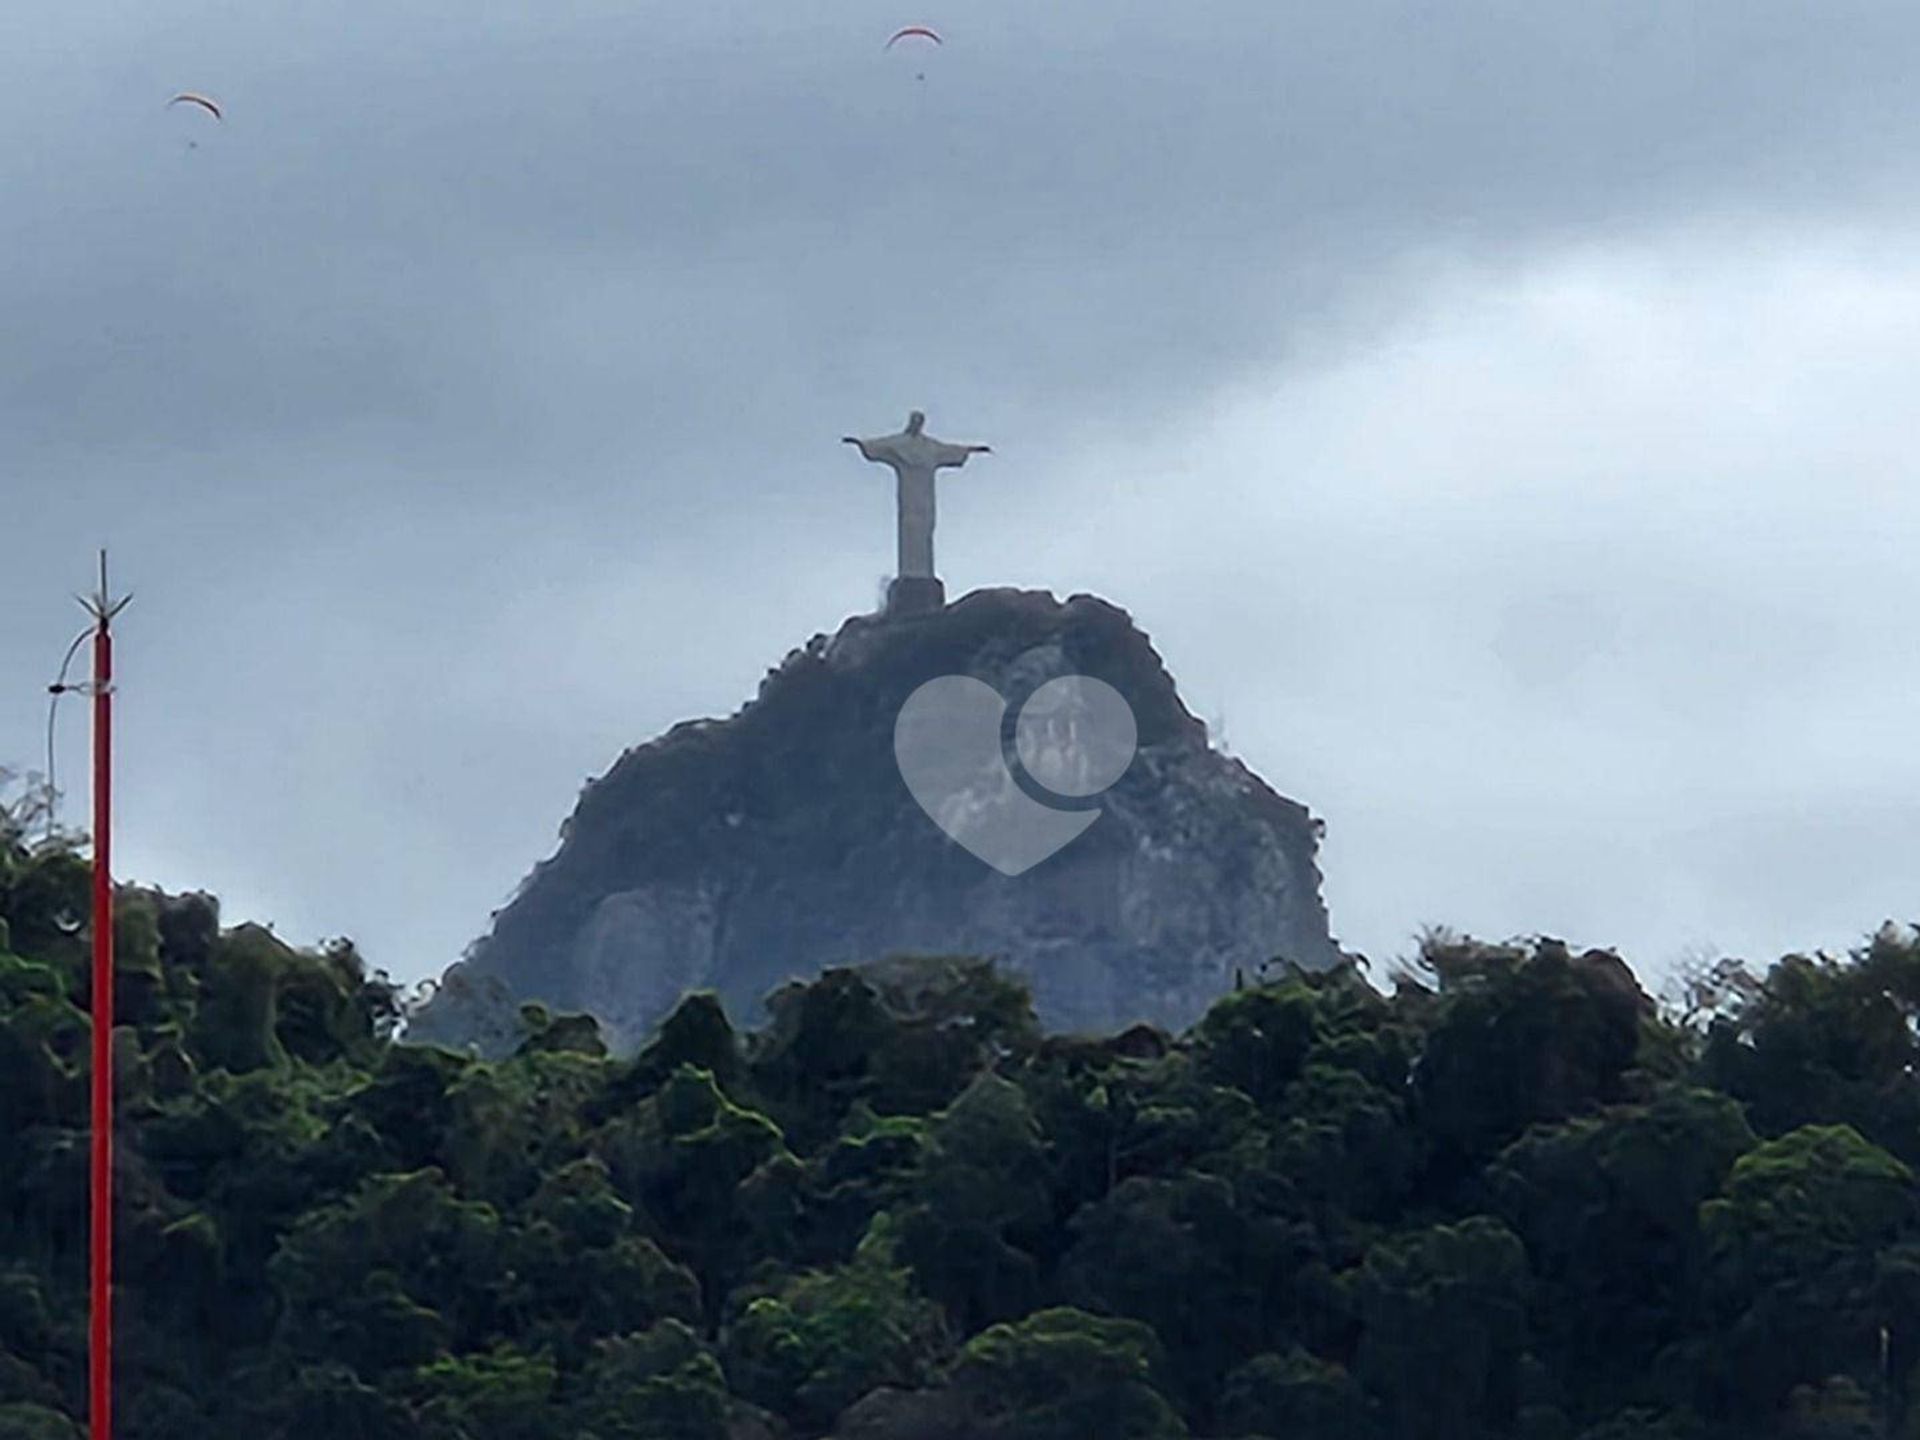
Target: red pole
x=100 y=1350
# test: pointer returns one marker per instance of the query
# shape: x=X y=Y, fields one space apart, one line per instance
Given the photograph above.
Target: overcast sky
x=1499 y=415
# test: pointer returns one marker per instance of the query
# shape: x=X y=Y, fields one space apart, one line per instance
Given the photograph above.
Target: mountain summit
x=735 y=855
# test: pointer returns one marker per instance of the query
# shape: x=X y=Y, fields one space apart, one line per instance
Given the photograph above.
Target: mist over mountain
x=738 y=855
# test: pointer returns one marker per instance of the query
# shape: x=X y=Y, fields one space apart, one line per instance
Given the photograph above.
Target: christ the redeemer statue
x=915 y=457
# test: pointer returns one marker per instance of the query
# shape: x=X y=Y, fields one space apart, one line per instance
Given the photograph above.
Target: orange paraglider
x=914 y=31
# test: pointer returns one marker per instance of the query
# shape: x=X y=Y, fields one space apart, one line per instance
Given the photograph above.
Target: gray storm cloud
x=464 y=410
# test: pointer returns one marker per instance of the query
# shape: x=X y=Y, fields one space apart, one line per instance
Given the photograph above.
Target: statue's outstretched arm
x=957 y=454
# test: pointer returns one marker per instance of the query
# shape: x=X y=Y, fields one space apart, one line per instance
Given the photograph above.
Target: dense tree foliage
x=1511 y=1198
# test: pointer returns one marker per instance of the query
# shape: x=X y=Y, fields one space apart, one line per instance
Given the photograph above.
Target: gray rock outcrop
x=734 y=855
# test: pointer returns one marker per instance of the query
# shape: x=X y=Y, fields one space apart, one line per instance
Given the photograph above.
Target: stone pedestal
x=915 y=595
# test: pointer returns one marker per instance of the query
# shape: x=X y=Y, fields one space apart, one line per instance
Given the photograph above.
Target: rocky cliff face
x=735 y=855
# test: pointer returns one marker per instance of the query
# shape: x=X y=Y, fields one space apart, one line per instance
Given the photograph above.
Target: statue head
x=914 y=422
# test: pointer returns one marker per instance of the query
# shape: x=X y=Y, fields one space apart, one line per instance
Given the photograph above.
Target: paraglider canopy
x=187 y=97
x=916 y=32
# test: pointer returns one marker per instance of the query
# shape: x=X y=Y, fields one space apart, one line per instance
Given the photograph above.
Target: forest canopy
x=1512 y=1197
